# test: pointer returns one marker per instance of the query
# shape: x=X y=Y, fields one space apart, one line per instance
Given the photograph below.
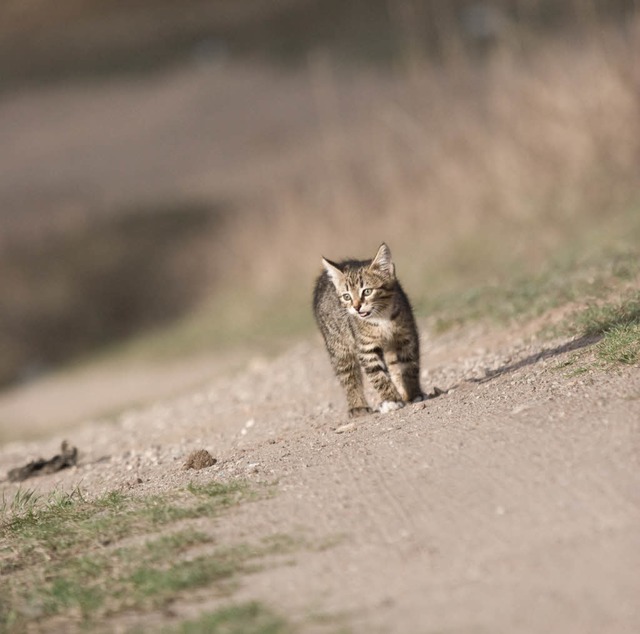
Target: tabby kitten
x=367 y=323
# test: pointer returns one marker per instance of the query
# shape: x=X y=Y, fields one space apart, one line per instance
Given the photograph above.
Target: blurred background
x=170 y=173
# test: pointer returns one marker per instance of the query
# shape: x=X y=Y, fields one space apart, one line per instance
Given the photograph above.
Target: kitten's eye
x=346 y=297
x=367 y=291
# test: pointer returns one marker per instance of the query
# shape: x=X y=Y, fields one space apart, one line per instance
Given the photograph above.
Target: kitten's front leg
x=376 y=370
x=405 y=374
x=348 y=371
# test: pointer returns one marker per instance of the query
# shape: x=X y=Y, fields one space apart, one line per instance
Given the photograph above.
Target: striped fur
x=368 y=327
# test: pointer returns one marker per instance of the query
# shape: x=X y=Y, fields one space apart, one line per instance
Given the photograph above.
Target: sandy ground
x=511 y=503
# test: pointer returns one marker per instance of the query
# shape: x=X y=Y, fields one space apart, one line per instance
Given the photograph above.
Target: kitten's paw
x=419 y=399
x=359 y=411
x=390 y=406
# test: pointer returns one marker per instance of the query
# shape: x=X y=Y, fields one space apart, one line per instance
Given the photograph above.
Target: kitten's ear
x=335 y=274
x=383 y=261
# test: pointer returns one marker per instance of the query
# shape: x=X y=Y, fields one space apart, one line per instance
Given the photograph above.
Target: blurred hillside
x=188 y=163
x=40 y=40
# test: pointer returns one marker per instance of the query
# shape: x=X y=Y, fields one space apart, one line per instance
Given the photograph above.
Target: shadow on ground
x=548 y=353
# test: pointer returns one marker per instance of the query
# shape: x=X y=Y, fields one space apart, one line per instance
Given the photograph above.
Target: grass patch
x=618 y=326
x=83 y=560
x=22 y=502
x=244 y=618
x=621 y=344
x=612 y=324
x=68 y=521
x=602 y=319
x=156 y=583
x=523 y=296
x=615 y=329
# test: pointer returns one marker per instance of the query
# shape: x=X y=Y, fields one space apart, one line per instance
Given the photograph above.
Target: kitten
x=367 y=323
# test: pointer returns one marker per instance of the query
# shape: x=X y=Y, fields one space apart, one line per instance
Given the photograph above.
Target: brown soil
x=510 y=503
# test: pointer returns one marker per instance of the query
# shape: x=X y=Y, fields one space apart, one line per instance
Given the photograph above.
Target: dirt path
x=509 y=504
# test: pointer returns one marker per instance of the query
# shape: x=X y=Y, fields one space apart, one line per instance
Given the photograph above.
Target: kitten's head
x=365 y=289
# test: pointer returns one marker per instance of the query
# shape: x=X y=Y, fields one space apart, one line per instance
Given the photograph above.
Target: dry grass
x=470 y=169
x=498 y=175
x=466 y=170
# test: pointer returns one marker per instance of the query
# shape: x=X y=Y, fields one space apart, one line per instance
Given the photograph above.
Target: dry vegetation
x=497 y=173
x=471 y=165
x=528 y=150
